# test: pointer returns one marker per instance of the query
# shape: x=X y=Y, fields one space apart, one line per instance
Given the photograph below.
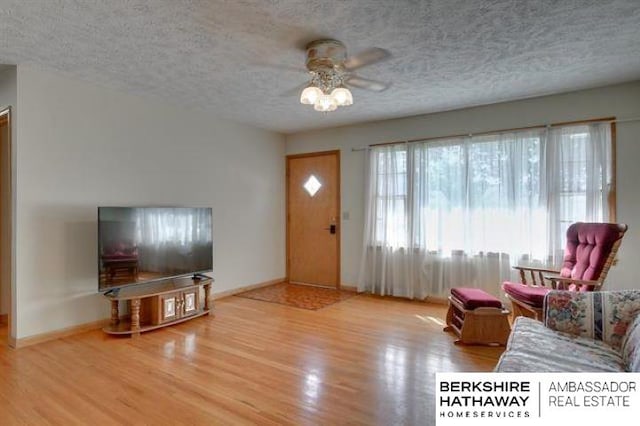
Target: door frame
x=7 y=215
x=335 y=152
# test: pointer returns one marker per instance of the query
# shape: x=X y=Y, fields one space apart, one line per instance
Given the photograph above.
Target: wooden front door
x=313 y=218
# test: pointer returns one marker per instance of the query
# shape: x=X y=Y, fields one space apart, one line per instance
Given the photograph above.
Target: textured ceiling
x=239 y=58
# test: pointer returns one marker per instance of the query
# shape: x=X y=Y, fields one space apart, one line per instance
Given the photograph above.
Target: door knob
x=331 y=229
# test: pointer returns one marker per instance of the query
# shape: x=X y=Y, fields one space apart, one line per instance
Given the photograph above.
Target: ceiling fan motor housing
x=325 y=54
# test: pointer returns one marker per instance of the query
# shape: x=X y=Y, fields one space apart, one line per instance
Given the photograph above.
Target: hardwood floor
x=365 y=360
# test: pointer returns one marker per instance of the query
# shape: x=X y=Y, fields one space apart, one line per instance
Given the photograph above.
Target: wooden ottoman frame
x=479 y=326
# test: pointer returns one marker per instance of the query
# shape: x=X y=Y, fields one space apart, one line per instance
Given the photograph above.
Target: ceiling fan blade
x=365 y=83
x=367 y=57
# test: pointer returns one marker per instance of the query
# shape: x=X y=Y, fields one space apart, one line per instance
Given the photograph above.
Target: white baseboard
x=428 y=299
x=58 y=334
x=348 y=287
x=233 y=291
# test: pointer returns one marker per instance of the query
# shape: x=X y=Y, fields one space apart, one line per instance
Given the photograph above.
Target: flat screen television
x=143 y=244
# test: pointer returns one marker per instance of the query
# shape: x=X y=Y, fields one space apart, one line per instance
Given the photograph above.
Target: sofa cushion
x=533 y=296
x=472 y=298
x=631 y=347
x=604 y=315
x=532 y=347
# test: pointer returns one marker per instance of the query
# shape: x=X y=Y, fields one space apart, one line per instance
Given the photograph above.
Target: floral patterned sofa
x=581 y=332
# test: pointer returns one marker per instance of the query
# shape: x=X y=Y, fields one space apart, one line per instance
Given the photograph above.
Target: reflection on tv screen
x=141 y=244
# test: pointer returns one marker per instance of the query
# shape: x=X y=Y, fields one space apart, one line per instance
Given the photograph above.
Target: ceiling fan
x=332 y=73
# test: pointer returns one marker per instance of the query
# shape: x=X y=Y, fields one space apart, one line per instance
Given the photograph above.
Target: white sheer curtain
x=578 y=160
x=462 y=211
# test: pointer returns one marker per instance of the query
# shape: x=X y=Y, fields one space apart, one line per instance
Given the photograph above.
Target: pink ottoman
x=477 y=317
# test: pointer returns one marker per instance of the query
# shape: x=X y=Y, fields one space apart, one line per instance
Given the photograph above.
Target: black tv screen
x=142 y=244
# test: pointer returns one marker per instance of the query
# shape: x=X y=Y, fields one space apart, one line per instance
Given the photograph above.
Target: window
x=391 y=195
x=456 y=183
x=461 y=211
x=580 y=157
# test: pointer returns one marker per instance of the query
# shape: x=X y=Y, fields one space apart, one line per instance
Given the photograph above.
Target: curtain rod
x=491 y=132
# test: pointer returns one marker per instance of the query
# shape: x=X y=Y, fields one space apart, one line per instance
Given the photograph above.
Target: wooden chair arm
x=565 y=281
x=535 y=269
x=535 y=273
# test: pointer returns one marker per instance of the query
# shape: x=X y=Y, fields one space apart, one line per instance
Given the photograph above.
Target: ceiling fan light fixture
x=342 y=96
x=310 y=95
x=331 y=73
x=325 y=103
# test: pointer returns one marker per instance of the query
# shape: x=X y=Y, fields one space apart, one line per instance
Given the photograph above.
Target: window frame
x=612 y=185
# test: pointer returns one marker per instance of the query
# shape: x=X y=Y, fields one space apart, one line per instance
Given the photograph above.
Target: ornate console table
x=160 y=304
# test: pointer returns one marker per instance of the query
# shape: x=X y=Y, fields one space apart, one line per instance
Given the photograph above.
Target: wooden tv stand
x=159 y=304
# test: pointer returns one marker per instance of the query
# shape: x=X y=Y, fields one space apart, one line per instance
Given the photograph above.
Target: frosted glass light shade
x=310 y=95
x=325 y=103
x=342 y=96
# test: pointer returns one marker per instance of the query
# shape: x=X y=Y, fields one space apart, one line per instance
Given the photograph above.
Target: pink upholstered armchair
x=590 y=251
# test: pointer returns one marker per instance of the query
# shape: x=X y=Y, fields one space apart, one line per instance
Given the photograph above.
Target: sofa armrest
x=568 y=312
x=600 y=315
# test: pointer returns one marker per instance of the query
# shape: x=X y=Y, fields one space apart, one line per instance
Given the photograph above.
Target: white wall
x=622 y=101
x=8 y=98
x=81 y=146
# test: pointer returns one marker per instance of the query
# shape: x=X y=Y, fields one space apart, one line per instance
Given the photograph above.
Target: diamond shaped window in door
x=312 y=185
